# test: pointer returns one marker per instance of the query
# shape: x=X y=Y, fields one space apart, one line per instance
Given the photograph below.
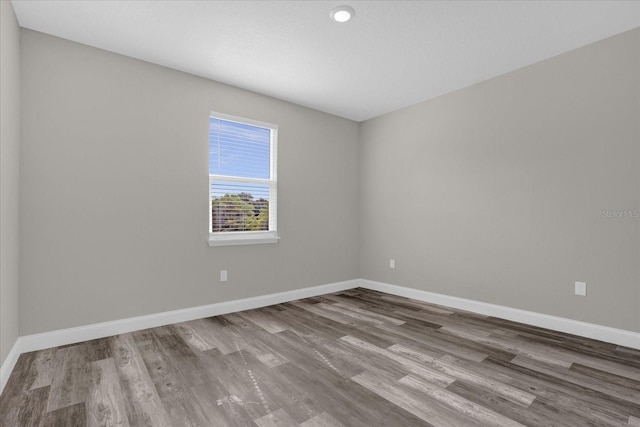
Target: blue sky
x=237 y=149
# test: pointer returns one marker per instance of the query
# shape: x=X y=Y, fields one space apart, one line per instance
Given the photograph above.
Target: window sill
x=239 y=238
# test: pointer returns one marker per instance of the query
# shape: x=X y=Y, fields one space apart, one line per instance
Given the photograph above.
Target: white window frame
x=227 y=238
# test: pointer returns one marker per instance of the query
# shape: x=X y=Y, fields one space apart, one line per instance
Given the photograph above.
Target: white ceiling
x=391 y=55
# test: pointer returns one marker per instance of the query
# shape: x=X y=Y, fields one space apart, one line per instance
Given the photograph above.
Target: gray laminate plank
x=276 y=418
x=417 y=405
x=582 y=380
x=462 y=328
x=20 y=379
x=628 y=353
x=412 y=367
x=181 y=356
x=561 y=340
x=441 y=343
x=348 y=402
x=282 y=393
x=459 y=404
x=264 y=320
x=432 y=348
x=69 y=416
x=105 y=403
x=144 y=407
x=374 y=304
x=390 y=302
x=241 y=335
x=42 y=368
x=374 y=334
x=32 y=408
x=233 y=371
x=461 y=374
x=629 y=370
x=325 y=327
x=418 y=318
x=222 y=407
x=613 y=367
x=560 y=395
x=314 y=353
x=306 y=323
x=321 y=310
x=98 y=349
x=507 y=408
x=70 y=380
x=230 y=371
x=384 y=318
x=322 y=420
x=359 y=317
x=510 y=345
x=571 y=417
x=496 y=352
x=417 y=304
x=448 y=321
x=361 y=361
x=211 y=330
x=191 y=336
x=174 y=390
x=605 y=377
x=563 y=394
x=266 y=387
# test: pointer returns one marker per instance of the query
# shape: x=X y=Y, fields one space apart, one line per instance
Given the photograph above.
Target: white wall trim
x=106 y=329
x=9 y=363
x=100 y=330
x=56 y=338
x=560 y=324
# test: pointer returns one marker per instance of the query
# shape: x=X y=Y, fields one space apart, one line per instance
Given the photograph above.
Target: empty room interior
x=420 y=213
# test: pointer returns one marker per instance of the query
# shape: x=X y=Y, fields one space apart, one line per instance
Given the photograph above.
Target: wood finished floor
x=354 y=358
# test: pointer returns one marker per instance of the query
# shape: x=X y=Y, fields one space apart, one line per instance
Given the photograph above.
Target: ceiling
x=391 y=55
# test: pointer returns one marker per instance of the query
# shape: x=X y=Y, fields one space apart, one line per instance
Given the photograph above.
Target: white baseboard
x=56 y=338
x=100 y=330
x=106 y=329
x=560 y=324
x=9 y=363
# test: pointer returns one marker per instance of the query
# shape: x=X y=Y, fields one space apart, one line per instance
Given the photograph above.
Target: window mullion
x=239 y=179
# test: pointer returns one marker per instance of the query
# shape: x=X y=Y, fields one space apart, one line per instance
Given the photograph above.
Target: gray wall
x=495 y=192
x=9 y=176
x=114 y=180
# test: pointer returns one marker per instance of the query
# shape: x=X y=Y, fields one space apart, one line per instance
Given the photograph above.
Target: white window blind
x=242 y=181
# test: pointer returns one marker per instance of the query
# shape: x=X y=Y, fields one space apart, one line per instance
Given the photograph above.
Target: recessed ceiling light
x=342 y=13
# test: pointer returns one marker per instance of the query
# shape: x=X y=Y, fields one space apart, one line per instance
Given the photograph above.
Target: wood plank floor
x=354 y=358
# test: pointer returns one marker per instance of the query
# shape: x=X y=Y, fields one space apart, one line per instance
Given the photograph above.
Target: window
x=242 y=181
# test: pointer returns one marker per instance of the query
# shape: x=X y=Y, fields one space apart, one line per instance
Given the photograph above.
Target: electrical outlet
x=581 y=289
x=392 y=263
x=223 y=275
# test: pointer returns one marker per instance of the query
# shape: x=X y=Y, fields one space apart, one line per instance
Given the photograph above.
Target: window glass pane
x=239 y=206
x=237 y=149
